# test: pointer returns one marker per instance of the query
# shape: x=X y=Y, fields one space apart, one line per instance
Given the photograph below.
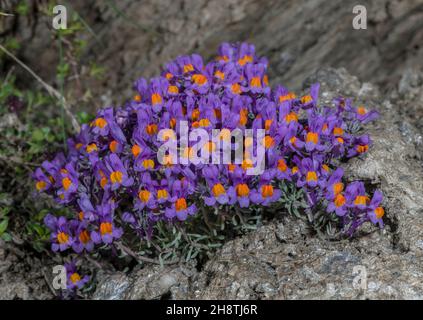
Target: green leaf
x=3 y=226
x=6 y=237
x=38 y=135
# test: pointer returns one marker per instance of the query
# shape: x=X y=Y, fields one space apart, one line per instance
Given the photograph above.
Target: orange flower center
x=181 y=204
x=362 y=148
x=173 y=89
x=220 y=75
x=106 y=228
x=62 y=237
x=148 y=164
x=292 y=116
x=116 y=177
x=243 y=117
x=337 y=131
x=325 y=127
x=306 y=99
x=225 y=134
x=91 y=147
x=242 y=190
x=247 y=163
x=311 y=176
x=312 y=137
x=156 y=98
x=199 y=79
x=338 y=188
x=361 y=110
x=339 y=200
x=113 y=146
x=144 y=195
x=40 y=185
x=136 y=150
x=287 y=97
x=267 y=191
x=268 y=142
x=66 y=182
x=188 y=68
x=379 y=212
x=236 y=88
x=162 y=194
x=245 y=59
x=204 y=122
x=84 y=237
x=361 y=200
x=267 y=124
x=282 y=165
x=195 y=114
x=255 y=82
x=218 y=189
x=100 y=122
x=151 y=129
x=75 y=278
x=103 y=182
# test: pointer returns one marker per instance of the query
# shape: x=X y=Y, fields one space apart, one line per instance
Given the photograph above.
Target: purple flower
x=374 y=211
x=118 y=175
x=106 y=232
x=310 y=173
x=61 y=236
x=265 y=193
x=82 y=236
x=180 y=207
x=74 y=279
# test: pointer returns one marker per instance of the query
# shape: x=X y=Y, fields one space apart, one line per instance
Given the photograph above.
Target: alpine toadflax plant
x=112 y=180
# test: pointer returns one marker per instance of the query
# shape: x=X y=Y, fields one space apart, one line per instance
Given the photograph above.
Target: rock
x=150 y=282
x=21 y=275
x=391 y=164
x=111 y=287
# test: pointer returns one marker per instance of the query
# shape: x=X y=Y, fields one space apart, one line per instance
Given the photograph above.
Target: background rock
x=134 y=39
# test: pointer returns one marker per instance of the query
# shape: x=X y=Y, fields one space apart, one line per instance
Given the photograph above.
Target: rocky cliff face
x=134 y=39
x=285 y=260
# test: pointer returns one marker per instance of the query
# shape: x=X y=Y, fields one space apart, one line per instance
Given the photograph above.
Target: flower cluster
x=111 y=177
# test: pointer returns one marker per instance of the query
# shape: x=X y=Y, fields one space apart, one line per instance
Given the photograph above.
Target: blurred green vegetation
x=33 y=126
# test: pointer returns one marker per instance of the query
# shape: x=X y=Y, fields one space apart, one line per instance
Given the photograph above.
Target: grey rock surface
x=285 y=259
x=22 y=276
